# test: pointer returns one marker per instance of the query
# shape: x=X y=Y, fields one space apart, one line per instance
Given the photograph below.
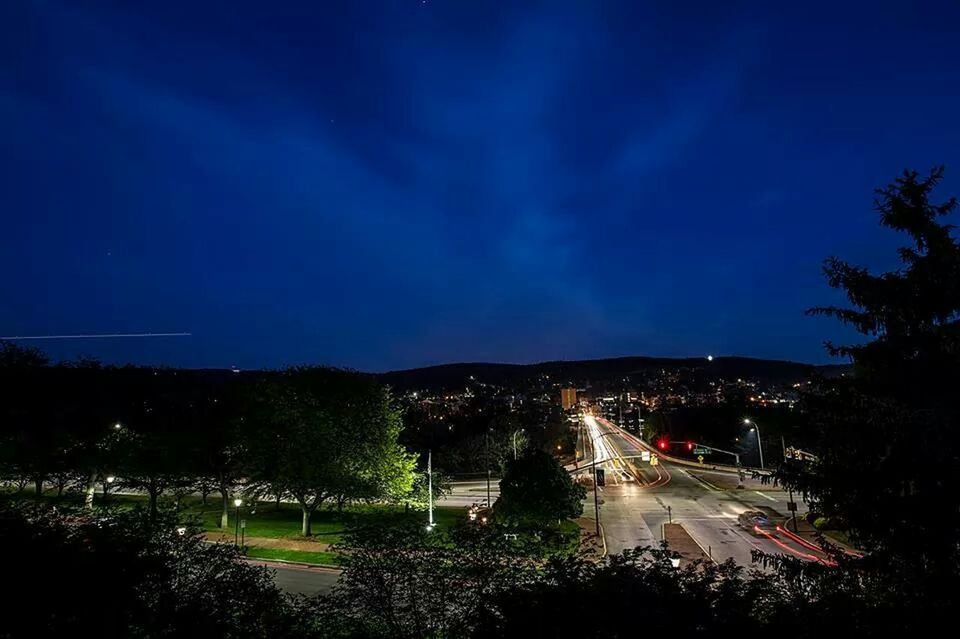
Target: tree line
x=318 y=436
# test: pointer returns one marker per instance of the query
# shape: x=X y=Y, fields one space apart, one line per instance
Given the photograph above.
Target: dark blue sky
x=384 y=185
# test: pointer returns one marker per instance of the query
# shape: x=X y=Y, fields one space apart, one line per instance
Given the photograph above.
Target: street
x=639 y=498
x=300 y=579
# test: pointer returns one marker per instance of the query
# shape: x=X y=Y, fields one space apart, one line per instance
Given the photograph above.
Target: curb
x=286 y=562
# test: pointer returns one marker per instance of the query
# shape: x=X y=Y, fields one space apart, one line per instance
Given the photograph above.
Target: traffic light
x=689 y=445
x=601 y=480
x=662 y=444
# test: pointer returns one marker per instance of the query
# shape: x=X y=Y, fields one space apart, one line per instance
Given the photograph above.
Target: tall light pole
x=236 y=532
x=489 y=505
x=430 y=523
x=756 y=427
x=515 y=433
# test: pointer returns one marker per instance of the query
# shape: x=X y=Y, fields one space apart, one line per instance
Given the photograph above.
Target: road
x=468 y=493
x=638 y=499
x=300 y=580
x=307 y=580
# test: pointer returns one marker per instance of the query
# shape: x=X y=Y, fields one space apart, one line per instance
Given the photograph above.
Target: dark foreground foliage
x=127 y=574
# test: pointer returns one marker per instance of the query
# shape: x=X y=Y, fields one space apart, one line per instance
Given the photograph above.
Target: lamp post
x=489 y=505
x=792 y=505
x=181 y=531
x=515 y=433
x=430 y=523
x=236 y=531
x=756 y=427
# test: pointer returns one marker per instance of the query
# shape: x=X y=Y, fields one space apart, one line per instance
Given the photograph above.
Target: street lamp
x=489 y=505
x=756 y=427
x=430 y=523
x=117 y=426
x=515 y=433
x=236 y=531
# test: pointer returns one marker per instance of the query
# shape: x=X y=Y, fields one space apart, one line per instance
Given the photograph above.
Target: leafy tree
x=324 y=434
x=139 y=580
x=636 y=589
x=407 y=582
x=537 y=489
x=418 y=497
x=885 y=437
x=154 y=462
x=14 y=357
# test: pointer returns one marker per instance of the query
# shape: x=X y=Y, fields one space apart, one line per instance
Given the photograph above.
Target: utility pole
x=793 y=505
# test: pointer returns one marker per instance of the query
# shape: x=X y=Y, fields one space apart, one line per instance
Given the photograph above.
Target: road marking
x=765 y=496
x=703 y=481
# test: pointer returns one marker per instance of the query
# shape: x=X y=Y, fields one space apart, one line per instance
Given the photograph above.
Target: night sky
x=387 y=185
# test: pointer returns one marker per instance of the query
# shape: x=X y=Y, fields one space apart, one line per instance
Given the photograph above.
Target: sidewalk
x=591 y=546
x=807 y=532
x=269 y=542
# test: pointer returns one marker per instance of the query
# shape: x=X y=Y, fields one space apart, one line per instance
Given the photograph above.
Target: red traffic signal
x=662 y=444
x=689 y=445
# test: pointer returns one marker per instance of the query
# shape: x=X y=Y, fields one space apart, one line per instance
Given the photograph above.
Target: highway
x=639 y=498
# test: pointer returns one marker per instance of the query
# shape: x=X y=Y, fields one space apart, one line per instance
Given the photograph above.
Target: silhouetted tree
x=536 y=489
x=885 y=437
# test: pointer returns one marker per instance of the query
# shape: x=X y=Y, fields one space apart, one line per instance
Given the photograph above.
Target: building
x=568 y=398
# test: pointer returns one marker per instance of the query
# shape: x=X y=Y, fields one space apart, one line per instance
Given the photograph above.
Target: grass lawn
x=328 y=526
x=265 y=520
x=328 y=558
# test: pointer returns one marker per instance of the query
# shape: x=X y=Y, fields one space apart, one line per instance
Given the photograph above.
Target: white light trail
x=92 y=336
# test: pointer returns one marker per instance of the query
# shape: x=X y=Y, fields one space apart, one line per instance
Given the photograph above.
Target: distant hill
x=456 y=375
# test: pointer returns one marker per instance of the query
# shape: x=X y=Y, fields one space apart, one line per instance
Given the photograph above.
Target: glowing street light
x=117 y=426
x=430 y=522
x=111 y=479
x=515 y=433
x=755 y=427
x=709 y=358
x=236 y=531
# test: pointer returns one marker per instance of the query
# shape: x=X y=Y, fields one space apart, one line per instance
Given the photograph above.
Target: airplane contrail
x=93 y=336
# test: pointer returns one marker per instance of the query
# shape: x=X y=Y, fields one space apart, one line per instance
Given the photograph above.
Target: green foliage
x=408 y=582
x=134 y=576
x=537 y=490
x=885 y=438
x=322 y=434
